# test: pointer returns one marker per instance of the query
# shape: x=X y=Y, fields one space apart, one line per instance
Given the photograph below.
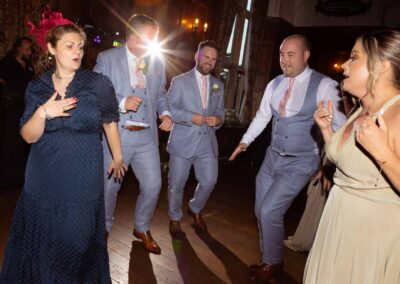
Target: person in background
x=293 y=156
x=358 y=238
x=57 y=234
x=16 y=71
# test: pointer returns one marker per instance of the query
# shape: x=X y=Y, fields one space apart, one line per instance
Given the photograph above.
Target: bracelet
x=47 y=116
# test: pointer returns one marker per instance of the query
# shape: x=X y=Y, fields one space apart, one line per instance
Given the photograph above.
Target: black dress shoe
x=197 y=219
x=265 y=271
x=175 y=229
x=148 y=241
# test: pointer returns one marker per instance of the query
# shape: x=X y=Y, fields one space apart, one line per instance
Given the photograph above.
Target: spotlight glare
x=154 y=48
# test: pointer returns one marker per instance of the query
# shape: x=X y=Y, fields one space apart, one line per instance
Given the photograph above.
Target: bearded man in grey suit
x=139 y=82
x=197 y=106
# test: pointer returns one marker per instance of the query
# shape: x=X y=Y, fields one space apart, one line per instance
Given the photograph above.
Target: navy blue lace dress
x=57 y=234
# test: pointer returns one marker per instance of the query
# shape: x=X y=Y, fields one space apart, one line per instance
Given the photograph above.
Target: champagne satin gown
x=358 y=239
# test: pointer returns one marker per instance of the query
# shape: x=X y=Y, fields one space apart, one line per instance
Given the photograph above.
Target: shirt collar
x=199 y=75
x=130 y=55
x=303 y=75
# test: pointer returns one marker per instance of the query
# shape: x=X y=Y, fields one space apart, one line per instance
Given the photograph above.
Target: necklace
x=63 y=78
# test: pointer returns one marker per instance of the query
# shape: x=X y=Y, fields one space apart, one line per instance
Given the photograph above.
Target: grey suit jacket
x=184 y=100
x=114 y=64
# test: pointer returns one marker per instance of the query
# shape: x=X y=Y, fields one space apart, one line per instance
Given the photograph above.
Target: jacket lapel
x=124 y=74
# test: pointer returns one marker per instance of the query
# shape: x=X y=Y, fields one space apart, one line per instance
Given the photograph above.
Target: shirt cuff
x=122 y=105
x=166 y=112
x=246 y=139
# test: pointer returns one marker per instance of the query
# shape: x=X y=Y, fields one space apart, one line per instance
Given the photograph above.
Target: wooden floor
x=222 y=256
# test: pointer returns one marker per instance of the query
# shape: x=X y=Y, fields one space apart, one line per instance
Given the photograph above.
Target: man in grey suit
x=196 y=100
x=290 y=100
x=139 y=82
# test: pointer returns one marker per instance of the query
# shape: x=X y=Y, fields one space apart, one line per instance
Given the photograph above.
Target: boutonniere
x=143 y=67
x=215 y=88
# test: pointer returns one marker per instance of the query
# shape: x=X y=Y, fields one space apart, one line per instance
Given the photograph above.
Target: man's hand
x=213 y=120
x=198 y=119
x=239 y=149
x=166 y=122
x=132 y=103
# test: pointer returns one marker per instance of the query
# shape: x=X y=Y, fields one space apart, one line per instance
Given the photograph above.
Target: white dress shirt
x=327 y=90
x=132 y=67
x=199 y=83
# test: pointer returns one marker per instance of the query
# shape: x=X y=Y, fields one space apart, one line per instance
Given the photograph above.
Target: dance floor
x=220 y=256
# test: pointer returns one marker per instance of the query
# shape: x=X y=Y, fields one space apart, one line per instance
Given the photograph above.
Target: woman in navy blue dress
x=57 y=235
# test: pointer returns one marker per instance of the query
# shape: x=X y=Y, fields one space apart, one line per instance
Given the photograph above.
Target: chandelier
x=343 y=8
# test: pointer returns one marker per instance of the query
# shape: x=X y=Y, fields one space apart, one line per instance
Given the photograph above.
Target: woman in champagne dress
x=358 y=239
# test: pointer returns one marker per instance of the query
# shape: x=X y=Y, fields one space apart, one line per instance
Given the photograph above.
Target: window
x=235 y=63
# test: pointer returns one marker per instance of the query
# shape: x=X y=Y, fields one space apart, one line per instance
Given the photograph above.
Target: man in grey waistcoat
x=139 y=82
x=290 y=100
x=196 y=100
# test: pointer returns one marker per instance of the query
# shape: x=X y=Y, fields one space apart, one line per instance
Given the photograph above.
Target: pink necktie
x=203 y=91
x=285 y=98
x=141 y=81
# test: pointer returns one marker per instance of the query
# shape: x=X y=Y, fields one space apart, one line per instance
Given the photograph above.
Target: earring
x=50 y=57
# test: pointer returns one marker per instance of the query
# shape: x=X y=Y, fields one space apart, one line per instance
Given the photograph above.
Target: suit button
x=199 y=133
x=130 y=117
x=144 y=105
x=142 y=119
x=286 y=137
x=133 y=91
x=145 y=92
x=277 y=119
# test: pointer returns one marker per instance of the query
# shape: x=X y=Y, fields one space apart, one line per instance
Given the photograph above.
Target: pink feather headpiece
x=48 y=20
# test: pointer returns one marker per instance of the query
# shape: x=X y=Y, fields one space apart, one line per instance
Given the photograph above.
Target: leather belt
x=286 y=155
x=135 y=127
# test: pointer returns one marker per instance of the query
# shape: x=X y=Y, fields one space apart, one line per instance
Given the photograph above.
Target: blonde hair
x=381 y=46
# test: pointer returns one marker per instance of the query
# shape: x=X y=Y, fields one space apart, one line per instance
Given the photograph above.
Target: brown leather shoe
x=197 y=219
x=148 y=241
x=175 y=229
x=265 y=271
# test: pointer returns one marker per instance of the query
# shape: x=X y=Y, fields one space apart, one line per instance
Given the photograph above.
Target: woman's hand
x=323 y=116
x=56 y=108
x=117 y=169
x=373 y=138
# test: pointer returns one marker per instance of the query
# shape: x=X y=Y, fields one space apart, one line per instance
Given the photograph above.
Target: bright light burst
x=155 y=48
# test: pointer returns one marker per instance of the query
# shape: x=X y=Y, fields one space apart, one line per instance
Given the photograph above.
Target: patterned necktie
x=203 y=91
x=141 y=81
x=285 y=98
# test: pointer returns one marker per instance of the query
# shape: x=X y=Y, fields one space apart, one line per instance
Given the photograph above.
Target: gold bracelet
x=47 y=116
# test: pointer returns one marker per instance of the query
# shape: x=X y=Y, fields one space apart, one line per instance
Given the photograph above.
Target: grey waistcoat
x=298 y=135
x=141 y=114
